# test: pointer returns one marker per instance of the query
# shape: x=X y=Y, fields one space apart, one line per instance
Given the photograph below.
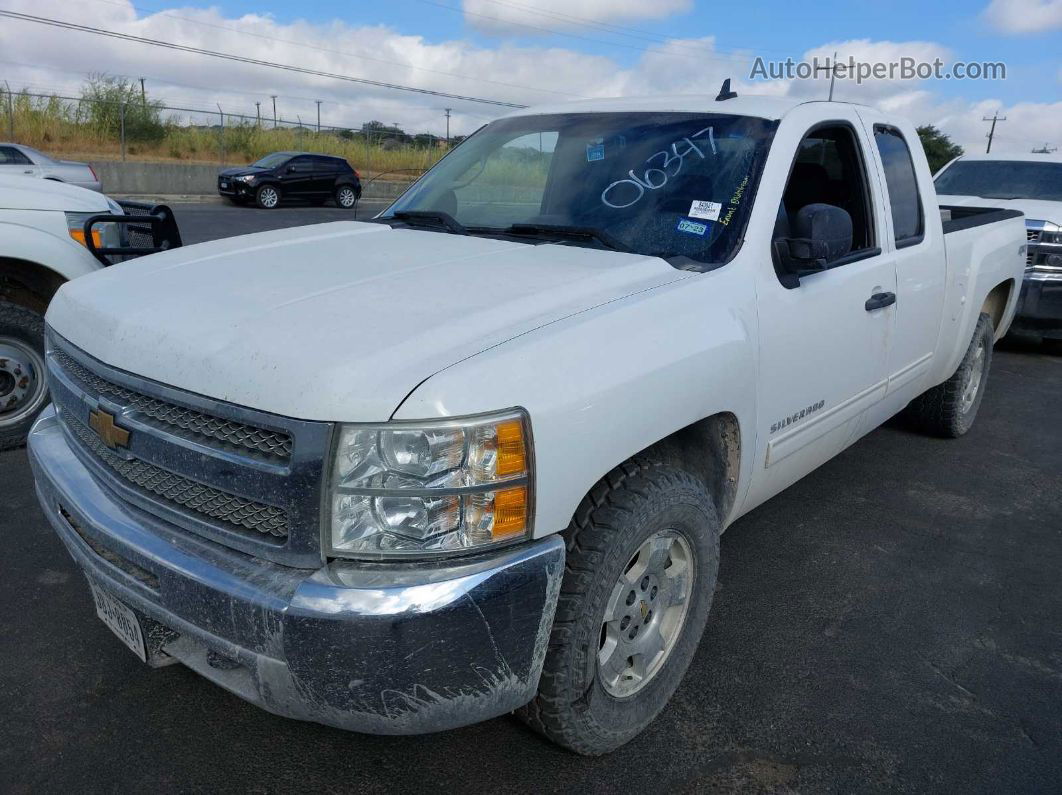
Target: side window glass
x=9 y=156
x=904 y=198
x=828 y=170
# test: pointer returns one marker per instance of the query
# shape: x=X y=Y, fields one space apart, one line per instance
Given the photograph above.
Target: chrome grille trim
x=1032 y=235
x=185 y=492
x=273 y=444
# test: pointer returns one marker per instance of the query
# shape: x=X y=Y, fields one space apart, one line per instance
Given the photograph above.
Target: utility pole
x=10 y=113
x=318 y=116
x=448 y=126
x=992 y=131
x=143 y=93
x=274 y=98
x=258 y=114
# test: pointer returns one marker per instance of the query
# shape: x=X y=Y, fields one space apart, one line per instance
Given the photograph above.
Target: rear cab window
x=10 y=156
x=905 y=200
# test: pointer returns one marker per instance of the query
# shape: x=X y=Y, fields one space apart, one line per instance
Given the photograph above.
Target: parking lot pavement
x=202 y=221
x=890 y=622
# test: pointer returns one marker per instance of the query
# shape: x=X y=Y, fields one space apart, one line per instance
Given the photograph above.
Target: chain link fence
x=148 y=130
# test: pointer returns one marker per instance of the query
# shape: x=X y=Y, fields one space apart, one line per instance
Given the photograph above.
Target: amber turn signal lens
x=78 y=234
x=512 y=452
x=510 y=512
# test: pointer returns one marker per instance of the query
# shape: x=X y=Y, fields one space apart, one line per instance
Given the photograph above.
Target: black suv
x=291 y=175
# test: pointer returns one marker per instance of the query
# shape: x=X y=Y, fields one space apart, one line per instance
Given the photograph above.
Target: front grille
x=136 y=572
x=185 y=422
x=184 y=493
x=1033 y=235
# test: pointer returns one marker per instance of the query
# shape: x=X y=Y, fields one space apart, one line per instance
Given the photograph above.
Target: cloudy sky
x=538 y=51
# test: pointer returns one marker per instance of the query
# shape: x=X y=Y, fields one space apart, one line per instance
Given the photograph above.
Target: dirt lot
x=892 y=622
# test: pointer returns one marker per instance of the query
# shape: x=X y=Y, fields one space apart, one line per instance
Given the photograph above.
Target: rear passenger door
x=824 y=339
x=325 y=171
x=916 y=247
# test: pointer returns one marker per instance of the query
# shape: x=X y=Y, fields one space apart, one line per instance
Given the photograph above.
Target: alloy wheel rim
x=346 y=197
x=269 y=197
x=22 y=382
x=645 y=613
x=972 y=382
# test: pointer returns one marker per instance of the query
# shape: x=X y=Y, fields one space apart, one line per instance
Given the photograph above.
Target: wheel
x=949 y=409
x=23 y=390
x=267 y=197
x=346 y=197
x=640 y=572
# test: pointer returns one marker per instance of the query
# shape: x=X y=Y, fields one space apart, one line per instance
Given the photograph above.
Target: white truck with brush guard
x=475 y=456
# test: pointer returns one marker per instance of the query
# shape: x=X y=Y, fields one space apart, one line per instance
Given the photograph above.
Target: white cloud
x=537 y=17
x=48 y=60
x=1025 y=16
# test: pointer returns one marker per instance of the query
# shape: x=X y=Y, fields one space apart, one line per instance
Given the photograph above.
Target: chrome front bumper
x=379 y=648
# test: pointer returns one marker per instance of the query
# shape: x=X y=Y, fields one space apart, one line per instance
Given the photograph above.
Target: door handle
x=28 y=172
x=880 y=301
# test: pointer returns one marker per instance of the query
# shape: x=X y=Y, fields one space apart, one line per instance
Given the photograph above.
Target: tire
x=346 y=197
x=577 y=706
x=949 y=409
x=267 y=197
x=23 y=389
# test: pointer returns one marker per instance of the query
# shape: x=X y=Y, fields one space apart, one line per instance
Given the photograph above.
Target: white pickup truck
x=1031 y=183
x=50 y=233
x=476 y=456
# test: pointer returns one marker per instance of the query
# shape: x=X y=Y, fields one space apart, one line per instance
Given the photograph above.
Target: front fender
x=60 y=255
x=606 y=384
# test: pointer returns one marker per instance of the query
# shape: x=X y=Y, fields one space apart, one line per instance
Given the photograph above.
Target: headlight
x=1051 y=237
x=104 y=235
x=246 y=178
x=431 y=488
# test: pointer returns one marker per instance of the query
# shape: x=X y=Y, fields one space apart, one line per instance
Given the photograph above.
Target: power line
x=318 y=48
x=243 y=59
x=554 y=32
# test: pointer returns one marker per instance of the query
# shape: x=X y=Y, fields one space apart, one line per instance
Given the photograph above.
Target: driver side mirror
x=822 y=234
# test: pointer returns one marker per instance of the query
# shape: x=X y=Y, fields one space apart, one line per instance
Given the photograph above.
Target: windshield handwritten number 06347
x=669 y=165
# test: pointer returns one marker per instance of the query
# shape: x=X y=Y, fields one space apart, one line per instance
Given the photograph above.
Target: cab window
x=908 y=220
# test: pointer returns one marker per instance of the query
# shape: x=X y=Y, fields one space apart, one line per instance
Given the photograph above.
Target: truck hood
x=1034 y=209
x=32 y=193
x=335 y=322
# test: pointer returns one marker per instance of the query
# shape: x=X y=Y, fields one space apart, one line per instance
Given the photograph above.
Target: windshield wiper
x=445 y=219
x=567 y=233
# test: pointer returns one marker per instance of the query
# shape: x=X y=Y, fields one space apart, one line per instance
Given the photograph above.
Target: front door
x=824 y=338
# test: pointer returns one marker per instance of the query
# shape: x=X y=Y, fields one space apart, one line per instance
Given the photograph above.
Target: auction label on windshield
x=708 y=211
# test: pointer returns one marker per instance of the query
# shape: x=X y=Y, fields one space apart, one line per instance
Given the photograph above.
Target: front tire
x=646 y=530
x=949 y=409
x=267 y=197
x=23 y=388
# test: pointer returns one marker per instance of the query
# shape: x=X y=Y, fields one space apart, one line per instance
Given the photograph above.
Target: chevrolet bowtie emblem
x=103 y=424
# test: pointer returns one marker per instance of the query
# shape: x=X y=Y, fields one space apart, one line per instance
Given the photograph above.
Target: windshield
x=663 y=184
x=1002 y=179
x=273 y=160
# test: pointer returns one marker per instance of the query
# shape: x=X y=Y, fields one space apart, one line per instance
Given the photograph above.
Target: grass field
x=63 y=131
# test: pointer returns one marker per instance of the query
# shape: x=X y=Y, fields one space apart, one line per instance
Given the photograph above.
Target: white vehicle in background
x=51 y=233
x=25 y=161
x=1031 y=183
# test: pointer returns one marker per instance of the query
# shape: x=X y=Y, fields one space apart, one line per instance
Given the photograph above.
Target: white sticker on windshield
x=709 y=211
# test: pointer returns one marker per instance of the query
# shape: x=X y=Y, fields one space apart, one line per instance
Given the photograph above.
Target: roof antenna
x=725 y=93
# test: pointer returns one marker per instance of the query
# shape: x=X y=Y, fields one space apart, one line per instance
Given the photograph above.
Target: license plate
x=122 y=621
x=224 y=184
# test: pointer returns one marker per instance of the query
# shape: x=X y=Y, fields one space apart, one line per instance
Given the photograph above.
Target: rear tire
x=614 y=661
x=346 y=197
x=949 y=409
x=23 y=388
x=267 y=197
